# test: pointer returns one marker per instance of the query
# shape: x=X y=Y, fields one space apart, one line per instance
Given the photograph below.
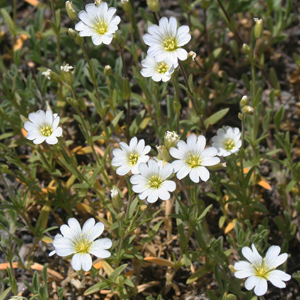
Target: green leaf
x=5 y=293
x=117 y=272
x=96 y=287
x=203 y=213
x=216 y=117
x=8 y=20
x=134 y=127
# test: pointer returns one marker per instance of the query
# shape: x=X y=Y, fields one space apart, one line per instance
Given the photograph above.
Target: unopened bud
x=246 y=49
x=193 y=55
x=98 y=2
x=244 y=101
x=143 y=207
x=116 y=199
x=217 y=167
x=126 y=6
x=240 y=116
x=67 y=75
x=247 y=110
x=51 y=75
x=71 y=10
x=119 y=40
x=107 y=70
x=171 y=139
x=258 y=29
x=72 y=102
x=163 y=153
x=126 y=89
x=205 y=4
x=231 y=297
x=75 y=36
x=153 y=5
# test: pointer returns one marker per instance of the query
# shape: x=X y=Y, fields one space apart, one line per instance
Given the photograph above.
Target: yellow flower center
x=229 y=144
x=133 y=158
x=262 y=270
x=193 y=161
x=100 y=27
x=82 y=245
x=162 y=68
x=170 y=44
x=155 y=181
x=46 y=131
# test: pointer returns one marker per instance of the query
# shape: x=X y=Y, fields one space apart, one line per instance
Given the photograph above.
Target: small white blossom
x=259 y=270
x=158 y=71
x=80 y=243
x=47 y=73
x=98 y=22
x=130 y=156
x=192 y=158
x=153 y=181
x=66 y=68
x=43 y=127
x=165 y=40
x=227 y=141
x=114 y=192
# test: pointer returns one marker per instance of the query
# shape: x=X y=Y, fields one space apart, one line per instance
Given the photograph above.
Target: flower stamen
x=170 y=44
x=229 y=144
x=100 y=27
x=46 y=131
x=155 y=182
x=133 y=159
x=162 y=68
x=193 y=161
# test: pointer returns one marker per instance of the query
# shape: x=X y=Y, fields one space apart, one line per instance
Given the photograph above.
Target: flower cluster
x=165 y=43
x=151 y=178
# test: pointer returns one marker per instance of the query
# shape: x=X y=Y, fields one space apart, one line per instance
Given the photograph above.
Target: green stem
x=92 y=74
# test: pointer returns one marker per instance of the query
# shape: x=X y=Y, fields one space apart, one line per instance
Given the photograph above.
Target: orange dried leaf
x=129 y=274
x=145 y=286
x=230 y=226
x=50 y=272
x=160 y=261
x=32 y=2
x=264 y=184
x=4 y=266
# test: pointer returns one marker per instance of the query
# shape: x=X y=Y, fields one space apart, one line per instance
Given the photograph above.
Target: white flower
x=47 y=73
x=114 y=192
x=157 y=70
x=129 y=158
x=152 y=183
x=98 y=22
x=227 y=141
x=166 y=40
x=192 y=159
x=66 y=68
x=43 y=127
x=259 y=270
x=80 y=243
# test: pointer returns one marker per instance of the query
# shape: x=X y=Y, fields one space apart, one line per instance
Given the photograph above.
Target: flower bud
x=153 y=5
x=75 y=36
x=107 y=70
x=240 y=116
x=247 y=110
x=205 y=4
x=67 y=75
x=163 y=153
x=71 y=10
x=171 y=139
x=231 y=297
x=126 y=89
x=193 y=55
x=126 y=6
x=72 y=102
x=51 y=75
x=98 y=2
x=246 y=49
x=116 y=199
x=217 y=167
x=258 y=29
x=244 y=101
x=119 y=40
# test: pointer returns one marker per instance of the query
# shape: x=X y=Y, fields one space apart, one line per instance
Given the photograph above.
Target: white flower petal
x=277 y=277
